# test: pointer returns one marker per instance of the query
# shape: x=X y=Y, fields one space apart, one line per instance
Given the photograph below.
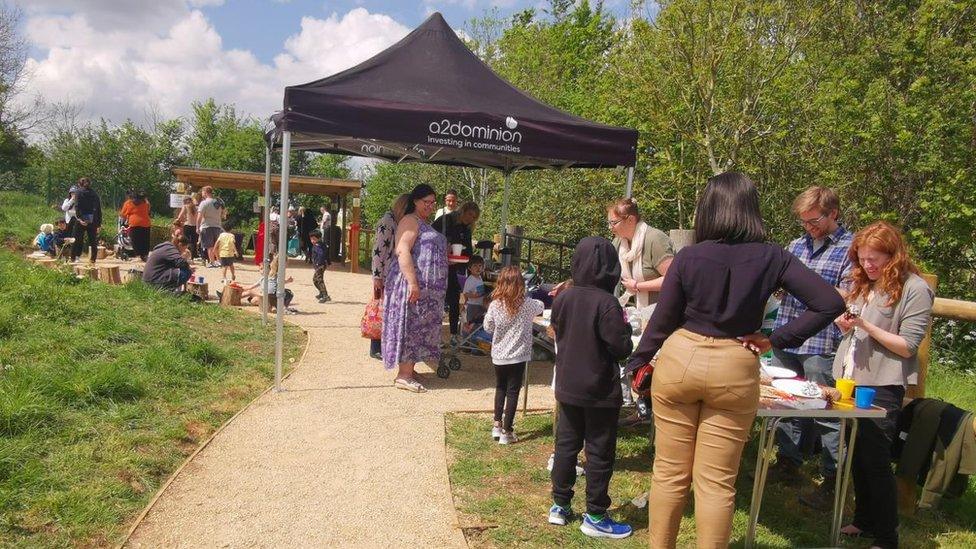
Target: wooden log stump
x=200 y=290
x=109 y=274
x=48 y=262
x=130 y=275
x=102 y=252
x=231 y=296
x=86 y=271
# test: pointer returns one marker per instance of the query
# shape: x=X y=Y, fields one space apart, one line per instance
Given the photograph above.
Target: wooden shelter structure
x=338 y=190
x=254 y=181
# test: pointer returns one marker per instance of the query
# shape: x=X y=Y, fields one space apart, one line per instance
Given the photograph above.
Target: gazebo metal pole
x=504 y=242
x=630 y=182
x=282 y=259
x=266 y=244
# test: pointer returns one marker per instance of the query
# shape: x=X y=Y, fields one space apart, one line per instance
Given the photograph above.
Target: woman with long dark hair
x=415 y=287
x=880 y=351
x=135 y=210
x=705 y=385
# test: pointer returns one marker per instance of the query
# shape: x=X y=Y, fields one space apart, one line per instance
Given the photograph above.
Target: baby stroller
x=474 y=340
x=123 y=242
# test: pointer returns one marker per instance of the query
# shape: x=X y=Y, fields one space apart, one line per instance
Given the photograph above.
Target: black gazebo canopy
x=428 y=98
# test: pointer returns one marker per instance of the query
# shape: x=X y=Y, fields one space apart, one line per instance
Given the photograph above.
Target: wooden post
x=130 y=275
x=918 y=390
x=48 y=262
x=85 y=271
x=231 y=296
x=354 y=237
x=681 y=238
x=200 y=290
x=109 y=274
x=954 y=309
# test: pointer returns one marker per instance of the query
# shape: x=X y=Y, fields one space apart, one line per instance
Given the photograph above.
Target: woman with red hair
x=889 y=309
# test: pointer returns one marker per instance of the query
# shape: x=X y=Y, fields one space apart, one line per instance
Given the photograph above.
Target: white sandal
x=409 y=385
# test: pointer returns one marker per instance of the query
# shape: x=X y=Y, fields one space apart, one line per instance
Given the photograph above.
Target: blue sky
x=140 y=59
x=263 y=25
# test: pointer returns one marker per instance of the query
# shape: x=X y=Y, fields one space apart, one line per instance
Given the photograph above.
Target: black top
x=591 y=334
x=456 y=232
x=429 y=98
x=720 y=290
x=89 y=207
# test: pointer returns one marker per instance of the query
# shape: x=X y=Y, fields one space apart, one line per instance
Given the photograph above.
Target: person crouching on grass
x=227 y=251
x=509 y=320
x=320 y=260
x=591 y=337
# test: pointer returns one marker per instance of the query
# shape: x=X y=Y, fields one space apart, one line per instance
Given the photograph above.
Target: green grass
x=104 y=391
x=21 y=216
x=503 y=492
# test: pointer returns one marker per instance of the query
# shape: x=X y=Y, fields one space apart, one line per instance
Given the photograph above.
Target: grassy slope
x=104 y=390
x=21 y=215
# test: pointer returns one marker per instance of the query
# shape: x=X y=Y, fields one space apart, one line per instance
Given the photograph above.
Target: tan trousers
x=705 y=392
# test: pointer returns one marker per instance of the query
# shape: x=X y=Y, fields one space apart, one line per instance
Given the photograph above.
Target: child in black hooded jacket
x=591 y=337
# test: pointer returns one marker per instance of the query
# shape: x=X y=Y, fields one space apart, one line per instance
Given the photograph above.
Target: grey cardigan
x=874 y=365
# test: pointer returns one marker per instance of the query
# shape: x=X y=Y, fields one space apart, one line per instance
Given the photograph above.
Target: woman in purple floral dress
x=415 y=285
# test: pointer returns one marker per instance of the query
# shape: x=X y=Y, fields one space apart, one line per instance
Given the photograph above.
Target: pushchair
x=474 y=341
x=123 y=241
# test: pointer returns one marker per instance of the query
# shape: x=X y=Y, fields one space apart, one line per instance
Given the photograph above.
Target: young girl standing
x=509 y=320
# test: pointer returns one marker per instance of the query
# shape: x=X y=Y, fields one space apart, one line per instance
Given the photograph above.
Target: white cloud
x=116 y=71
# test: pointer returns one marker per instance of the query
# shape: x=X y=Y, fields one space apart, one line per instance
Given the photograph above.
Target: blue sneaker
x=559 y=515
x=606 y=528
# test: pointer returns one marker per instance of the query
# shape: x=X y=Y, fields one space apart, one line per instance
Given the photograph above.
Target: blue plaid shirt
x=829 y=261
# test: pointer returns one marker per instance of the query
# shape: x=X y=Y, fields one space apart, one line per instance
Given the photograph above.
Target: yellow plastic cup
x=846 y=388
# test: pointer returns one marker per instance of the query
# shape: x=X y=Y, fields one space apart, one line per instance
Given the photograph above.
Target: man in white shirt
x=450 y=204
x=209 y=224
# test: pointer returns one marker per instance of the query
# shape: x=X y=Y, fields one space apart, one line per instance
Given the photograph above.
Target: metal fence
x=550 y=257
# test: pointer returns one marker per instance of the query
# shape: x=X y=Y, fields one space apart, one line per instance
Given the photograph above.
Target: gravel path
x=340 y=458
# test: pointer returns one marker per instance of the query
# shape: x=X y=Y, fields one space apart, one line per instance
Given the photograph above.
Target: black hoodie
x=89 y=206
x=591 y=334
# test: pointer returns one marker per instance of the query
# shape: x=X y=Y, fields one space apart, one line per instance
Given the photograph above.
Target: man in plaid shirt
x=824 y=250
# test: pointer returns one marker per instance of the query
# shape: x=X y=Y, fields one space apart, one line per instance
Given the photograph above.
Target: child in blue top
x=45 y=239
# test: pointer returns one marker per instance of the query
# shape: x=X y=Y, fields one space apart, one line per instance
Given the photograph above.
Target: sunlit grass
x=104 y=391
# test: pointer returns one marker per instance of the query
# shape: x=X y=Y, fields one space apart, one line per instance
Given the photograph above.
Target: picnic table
x=770 y=413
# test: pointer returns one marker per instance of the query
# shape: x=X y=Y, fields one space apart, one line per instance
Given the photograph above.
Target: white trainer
x=507 y=437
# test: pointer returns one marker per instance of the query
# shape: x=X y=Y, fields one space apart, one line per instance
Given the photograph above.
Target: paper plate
x=778 y=372
x=796 y=387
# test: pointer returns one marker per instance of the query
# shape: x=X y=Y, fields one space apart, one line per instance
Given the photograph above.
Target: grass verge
x=21 y=215
x=502 y=493
x=104 y=390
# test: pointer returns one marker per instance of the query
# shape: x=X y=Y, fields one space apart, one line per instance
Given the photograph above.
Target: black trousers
x=597 y=427
x=875 y=494
x=140 y=241
x=190 y=232
x=306 y=243
x=79 y=235
x=318 y=279
x=453 y=298
x=508 y=383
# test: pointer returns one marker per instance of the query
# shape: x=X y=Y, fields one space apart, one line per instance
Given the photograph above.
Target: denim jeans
x=819 y=369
